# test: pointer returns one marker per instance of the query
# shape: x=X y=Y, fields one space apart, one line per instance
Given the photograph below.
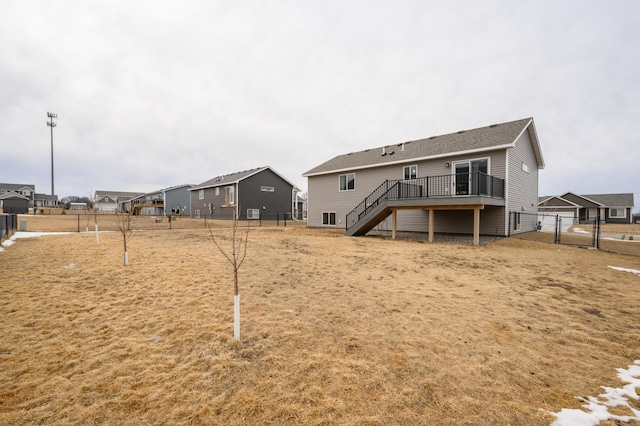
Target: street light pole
x=51 y=124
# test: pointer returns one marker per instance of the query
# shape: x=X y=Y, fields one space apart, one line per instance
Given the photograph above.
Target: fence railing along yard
x=85 y=222
x=622 y=238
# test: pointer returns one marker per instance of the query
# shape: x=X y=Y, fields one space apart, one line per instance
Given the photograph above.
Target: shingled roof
x=487 y=138
x=235 y=178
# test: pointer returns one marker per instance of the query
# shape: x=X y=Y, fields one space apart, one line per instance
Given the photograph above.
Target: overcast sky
x=152 y=94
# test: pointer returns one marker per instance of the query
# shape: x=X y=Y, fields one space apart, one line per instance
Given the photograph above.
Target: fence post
x=558 y=228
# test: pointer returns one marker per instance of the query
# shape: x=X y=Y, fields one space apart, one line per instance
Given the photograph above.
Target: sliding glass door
x=471 y=177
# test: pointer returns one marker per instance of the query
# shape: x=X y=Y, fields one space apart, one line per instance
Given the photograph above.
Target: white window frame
x=217 y=191
x=617 y=209
x=328 y=216
x=253 y=214
x=406 y=171
x=267 y=189
x=525 y=167
x=201 y=194
x=230 y=195
x=345 y=188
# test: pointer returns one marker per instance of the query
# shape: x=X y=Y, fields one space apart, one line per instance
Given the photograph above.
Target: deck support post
x=394 y=223
x=476 y=226
x=431 y=224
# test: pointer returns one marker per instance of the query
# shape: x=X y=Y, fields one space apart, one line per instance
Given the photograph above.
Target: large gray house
x=260 y=193
x=465 y=182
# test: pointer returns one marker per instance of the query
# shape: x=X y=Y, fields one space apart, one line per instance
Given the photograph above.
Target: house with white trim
x=260 y=193
x=476 y=181
x=610 y=208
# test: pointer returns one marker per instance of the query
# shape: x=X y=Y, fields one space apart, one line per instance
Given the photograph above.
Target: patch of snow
x=633 y=271
x=598 y=407
x=69 y=266
x=22 y=234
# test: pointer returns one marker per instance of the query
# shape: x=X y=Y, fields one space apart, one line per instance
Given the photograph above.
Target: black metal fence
x=475 y=183
x=8 y=224
x=623 y=238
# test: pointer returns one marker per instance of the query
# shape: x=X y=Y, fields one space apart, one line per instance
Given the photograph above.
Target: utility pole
x=51 y=124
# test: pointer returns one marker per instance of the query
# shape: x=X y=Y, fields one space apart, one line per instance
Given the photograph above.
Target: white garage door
x=548 y=221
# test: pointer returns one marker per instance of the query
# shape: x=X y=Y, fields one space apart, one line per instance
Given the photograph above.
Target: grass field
x=335 y=330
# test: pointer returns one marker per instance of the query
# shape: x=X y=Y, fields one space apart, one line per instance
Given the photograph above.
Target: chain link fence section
x=622 y=238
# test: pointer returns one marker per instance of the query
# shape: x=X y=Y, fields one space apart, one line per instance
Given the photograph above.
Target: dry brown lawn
x=335 y=330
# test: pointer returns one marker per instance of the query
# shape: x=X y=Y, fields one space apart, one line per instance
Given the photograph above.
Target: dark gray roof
x=236 y=177
x=45 y=197
x=612 y=200
x=16 y=186
x=12 y=194
x=476 y=140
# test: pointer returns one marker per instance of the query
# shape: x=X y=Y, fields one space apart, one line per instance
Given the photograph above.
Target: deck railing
x=451 y=185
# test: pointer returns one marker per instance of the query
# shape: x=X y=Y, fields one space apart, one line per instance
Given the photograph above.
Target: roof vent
x=432 y=137
x=384 y=151
x=461 y=131
x=392 y=152
x=494 y=125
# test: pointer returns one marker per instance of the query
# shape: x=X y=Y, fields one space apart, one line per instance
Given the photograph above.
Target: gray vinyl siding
x=522 y=186
x=248 y=195
x=272 y=205
x=178 y=197
x=324 y=196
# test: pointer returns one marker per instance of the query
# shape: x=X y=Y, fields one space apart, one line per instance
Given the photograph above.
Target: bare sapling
x=124 y=226
x=236 y=259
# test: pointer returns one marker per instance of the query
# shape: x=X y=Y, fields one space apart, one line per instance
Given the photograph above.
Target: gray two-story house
x=260 y=193
x=477 y=181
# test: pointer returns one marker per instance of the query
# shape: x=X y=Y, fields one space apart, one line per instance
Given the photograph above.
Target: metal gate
x=583 y=233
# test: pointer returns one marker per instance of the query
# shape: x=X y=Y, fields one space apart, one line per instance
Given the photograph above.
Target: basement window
x=329 y=218
x=253 y=214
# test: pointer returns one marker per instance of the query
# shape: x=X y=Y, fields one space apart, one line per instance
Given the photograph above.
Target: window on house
x=329 y=218
x=411 y=172
x=201 y=194
x=253 y=214
x=525 y=167
x=348 y=182
x=217 y=190
x=267 y=189
x=229 y=196
x=196 y=214
x=618 y=213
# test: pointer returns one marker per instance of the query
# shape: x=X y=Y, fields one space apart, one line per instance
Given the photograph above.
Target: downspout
x=506 y=195
x=237 y=199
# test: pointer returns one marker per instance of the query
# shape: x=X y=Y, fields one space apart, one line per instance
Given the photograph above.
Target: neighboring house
x=108 y=201
x=611 y=208
x=465 y=182
x=300 y=212
x=168 y=201
x=13 y=202
x=177 y=200
x=149 y=204
x=251 y=194
x=28 y=191
x=44 y=200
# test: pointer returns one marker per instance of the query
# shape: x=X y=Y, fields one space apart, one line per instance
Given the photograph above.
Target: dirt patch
x=335 y=330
